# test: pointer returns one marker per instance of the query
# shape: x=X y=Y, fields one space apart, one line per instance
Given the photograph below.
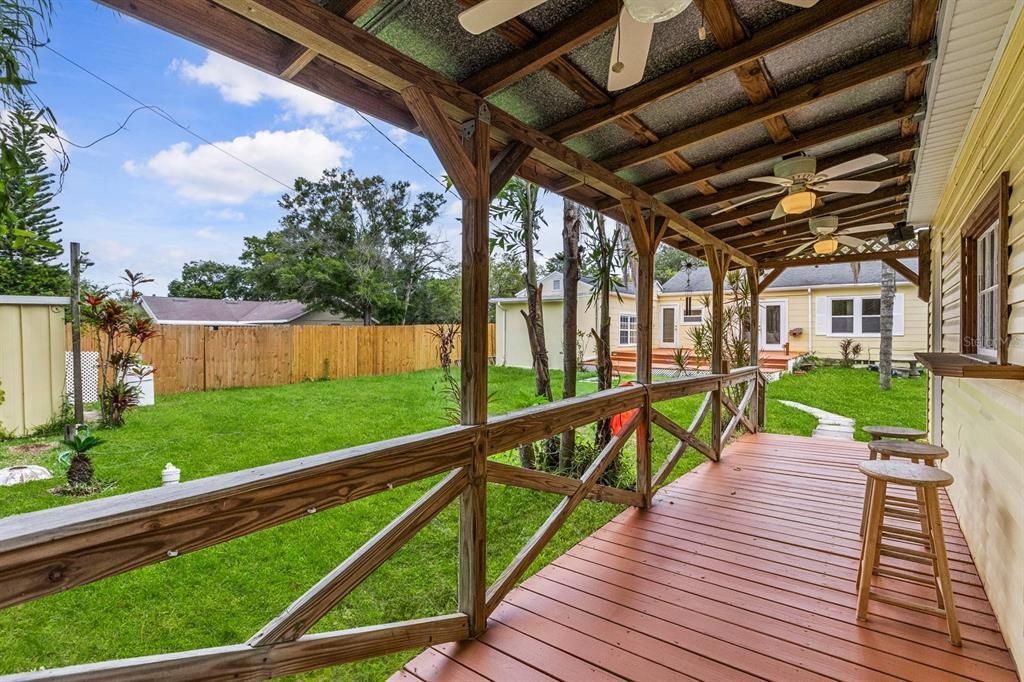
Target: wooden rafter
x=899 y=267
x=843 y=258
x=567 y=36
x=922 y=28
x=505 y=164
x=778 y=35
x=766 y=281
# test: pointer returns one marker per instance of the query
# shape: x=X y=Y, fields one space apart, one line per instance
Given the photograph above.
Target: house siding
x=31 y=365
x=982 y=421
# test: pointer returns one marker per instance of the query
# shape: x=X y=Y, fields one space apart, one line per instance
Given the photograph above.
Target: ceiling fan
x=798 y=179
x=632 y=35
x=828 y=236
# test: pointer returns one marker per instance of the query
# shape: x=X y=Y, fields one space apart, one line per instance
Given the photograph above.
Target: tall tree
x=605 y=259
x=30 y=249
x=669 y=260
x=349 y=245
x=505 y=276
x=210 y=279
x=888 y=277
x=570 y=281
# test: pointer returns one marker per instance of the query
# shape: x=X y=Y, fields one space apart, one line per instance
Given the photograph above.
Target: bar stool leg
x=926 y=514
x=931 y=497
x=870 y=553
x=867 y=488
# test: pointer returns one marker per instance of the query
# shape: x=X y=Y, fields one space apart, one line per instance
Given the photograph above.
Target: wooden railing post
x=718 y=264
x=644 y=232
x=753 y=282
x=467 y=161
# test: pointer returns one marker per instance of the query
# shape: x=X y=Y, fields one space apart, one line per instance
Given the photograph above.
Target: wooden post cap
x=895 y=432
x=908 y=449
x=906 y=473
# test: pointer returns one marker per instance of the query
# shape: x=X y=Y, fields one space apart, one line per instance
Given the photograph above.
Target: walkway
x=830 y=425
x=743 y=569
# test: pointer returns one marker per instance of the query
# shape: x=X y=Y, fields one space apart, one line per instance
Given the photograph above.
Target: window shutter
x=821 y=327
x=897 y=315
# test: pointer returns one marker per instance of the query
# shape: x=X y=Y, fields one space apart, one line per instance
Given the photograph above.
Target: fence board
x=197 y=358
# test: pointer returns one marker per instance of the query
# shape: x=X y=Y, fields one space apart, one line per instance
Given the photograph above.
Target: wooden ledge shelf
x=966 y=367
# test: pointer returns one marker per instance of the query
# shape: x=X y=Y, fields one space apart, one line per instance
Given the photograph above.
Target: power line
x=403 y=152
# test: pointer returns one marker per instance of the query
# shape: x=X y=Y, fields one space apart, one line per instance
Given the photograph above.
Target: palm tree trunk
x=885 y=323
x=571 y=275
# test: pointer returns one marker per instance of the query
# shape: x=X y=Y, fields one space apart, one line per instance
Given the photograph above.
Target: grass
x=224 y=594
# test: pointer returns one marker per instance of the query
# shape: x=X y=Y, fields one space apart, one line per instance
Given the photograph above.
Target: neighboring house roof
x=698 y=280
x=175 y=310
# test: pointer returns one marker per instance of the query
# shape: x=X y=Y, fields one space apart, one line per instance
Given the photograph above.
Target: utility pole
x=76 y=332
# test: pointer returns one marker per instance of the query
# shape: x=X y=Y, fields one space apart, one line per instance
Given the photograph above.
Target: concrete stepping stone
x=830 y=425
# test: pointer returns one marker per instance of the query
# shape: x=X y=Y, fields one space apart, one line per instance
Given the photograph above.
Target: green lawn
x=224 y=594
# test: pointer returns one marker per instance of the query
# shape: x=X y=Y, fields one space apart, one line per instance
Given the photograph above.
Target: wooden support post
x=755 y=321
x=718 y=263
x=76 y=332
x=643 y=229
x=467 y=161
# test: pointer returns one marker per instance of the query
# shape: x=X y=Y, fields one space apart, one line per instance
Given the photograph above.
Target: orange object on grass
x=620 y=420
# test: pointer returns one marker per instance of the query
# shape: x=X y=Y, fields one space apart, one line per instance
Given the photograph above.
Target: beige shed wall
x=982 y=421
x=31 y=365
x=512 y=342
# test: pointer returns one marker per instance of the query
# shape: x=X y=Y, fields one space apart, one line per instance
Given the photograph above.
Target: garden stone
x=23 y=473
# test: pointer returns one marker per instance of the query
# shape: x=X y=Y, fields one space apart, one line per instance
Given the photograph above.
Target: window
x=556 y=284
x=668 y=324
x=627 y=329
x=871 y=315
x=984 y=253
x=987 y=293
x=692 y=314
x=842 y=316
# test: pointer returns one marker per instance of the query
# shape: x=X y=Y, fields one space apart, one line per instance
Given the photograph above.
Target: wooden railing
x=53 y=550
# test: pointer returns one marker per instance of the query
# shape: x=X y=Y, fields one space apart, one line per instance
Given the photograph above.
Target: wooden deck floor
x=741 y=570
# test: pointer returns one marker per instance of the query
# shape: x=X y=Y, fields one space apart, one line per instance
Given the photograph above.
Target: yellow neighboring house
x=807 y=309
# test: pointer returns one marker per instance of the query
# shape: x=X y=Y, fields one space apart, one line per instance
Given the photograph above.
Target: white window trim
x=690 y=320
x=621 y=328
x=990 y=352
x=858 y=318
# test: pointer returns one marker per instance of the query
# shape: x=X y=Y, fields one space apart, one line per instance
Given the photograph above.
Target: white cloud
x=399 y=136
x=245 y=85
x=208 y=234
x=226 y=214
x=206 y=174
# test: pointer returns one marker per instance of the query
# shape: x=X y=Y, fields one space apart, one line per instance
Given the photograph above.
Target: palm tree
x=888 y=277
x=570 y=279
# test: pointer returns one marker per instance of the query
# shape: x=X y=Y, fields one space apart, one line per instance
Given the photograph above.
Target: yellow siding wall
x=983 y=421
x=513 y=343
x=31 y=365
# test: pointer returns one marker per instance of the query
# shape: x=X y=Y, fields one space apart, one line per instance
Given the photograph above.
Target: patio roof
x=837 y=81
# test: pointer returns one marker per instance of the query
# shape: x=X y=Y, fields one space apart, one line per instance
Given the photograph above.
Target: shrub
x=76 y=457
x=849 y=350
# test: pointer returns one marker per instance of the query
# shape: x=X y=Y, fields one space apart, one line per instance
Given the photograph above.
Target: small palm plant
x=76 y=457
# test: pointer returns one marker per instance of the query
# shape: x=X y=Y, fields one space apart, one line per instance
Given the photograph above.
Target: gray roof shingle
x=698 y=280
x=209 y=310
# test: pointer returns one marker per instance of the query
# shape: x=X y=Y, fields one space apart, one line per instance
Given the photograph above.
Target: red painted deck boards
x=742 y=570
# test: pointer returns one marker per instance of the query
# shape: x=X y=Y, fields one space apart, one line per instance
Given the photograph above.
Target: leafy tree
x=349 y=245
x=28 y=250
x=669 y=260
x=553 y=264
x=210 y=279
x=437 y=301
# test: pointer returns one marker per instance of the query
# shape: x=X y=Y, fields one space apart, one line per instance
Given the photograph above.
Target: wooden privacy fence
x=201 y=358
x=53 y=550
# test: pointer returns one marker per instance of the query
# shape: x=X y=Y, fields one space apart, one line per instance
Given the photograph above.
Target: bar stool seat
x=892 y=432
x=926 y=480
x=915 y=451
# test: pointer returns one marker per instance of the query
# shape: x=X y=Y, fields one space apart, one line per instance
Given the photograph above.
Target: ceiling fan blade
x=874 y=227
x=800 y=3
x=629 y=52
x=846 y=186
x=748 y=200
x=484 y=16
x=800 y=248
x=779 y=212
x=850 y=241
x=772 y=180
x=852 y=166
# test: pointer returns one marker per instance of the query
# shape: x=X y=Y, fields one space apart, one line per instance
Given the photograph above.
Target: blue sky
x=153 y=196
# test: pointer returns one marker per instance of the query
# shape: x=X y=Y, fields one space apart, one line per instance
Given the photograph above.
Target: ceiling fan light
x=655 y=11
x=825 y=247
x=799 y=202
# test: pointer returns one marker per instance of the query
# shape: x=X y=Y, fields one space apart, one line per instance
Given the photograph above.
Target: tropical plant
x=76 y=457
x=450 y=388
x=681 y=357
x=849 y=351
x=121 y=330
x=735 y=325
x=570 y=286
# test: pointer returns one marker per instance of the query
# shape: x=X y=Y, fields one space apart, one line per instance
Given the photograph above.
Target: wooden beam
x=296 y=61
x=844 y=258
x=305 y=611
x=443 y=140
x=924 y=265
x=776 y=36
x=567 y=36
x=244 y=662
x=337 y=39
x=754 y=285
x=899 y=267
x=349 y=9
x=505 y=164
x=506 y=474
x=764 y=283
x=889 y=147
x=823 y=134
x=341 y=84
x=827 y=86
x=718 y=263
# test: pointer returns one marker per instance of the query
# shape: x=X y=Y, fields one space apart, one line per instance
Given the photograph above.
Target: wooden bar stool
x=926 y=479
x=894 y=433
x=900 y=449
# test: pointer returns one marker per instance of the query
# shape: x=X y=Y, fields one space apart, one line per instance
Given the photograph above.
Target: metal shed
x=31 y=360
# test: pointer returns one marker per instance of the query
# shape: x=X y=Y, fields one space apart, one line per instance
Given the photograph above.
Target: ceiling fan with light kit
x=798 y=179
x=632 y=34
x=828 y=235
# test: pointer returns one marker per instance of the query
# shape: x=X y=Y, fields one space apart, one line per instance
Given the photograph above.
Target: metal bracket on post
x=468 y=128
